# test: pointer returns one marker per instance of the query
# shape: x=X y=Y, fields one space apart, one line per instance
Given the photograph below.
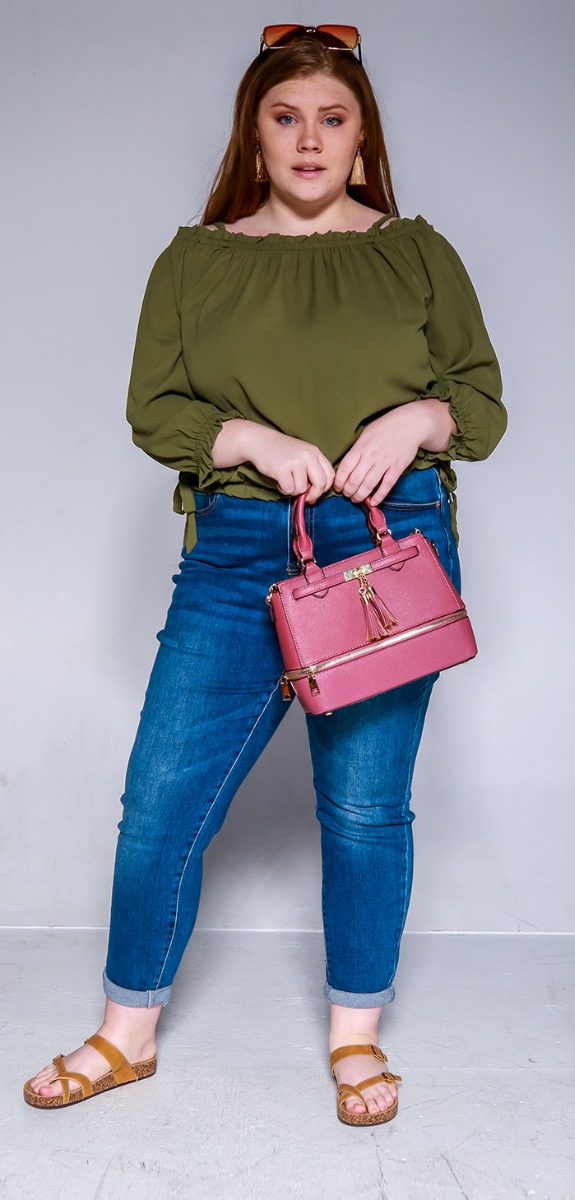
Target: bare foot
x=90 y=1062
x=357 y=1067
x=132 y=1030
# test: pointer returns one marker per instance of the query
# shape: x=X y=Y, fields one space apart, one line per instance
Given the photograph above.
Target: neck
x=277 y=216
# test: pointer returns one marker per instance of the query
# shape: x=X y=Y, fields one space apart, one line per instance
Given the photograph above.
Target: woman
x=303 y=335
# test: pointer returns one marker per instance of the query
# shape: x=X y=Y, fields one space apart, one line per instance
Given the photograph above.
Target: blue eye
x=287 y=117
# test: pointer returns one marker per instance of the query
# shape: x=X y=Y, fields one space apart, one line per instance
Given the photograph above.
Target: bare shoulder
x=372 y=215
x=366 y=218
x=247 y=225
x=251 y=225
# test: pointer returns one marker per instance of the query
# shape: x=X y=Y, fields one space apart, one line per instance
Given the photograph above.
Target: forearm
x=438 y=425
x=295 y=465
x=235 y=442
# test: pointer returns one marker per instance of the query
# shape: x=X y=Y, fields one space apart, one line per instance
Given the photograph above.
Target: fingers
x=360 y=482
x=292 y=480
x=320 y=475
x=285 y=482
x=368 y=479
x=348 y=464
x=382 y=451
x=389 y=480
x=312 y=469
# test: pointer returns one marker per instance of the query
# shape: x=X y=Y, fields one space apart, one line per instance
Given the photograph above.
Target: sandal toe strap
x=63 y=1076
x=345 y=1090
x=355 y=1090
x=366 y=1083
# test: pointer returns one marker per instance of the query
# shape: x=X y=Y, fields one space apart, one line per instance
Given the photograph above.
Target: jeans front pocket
x=416 y=490
x=205 y=503
x=419 y=500
x=414 y=502
x=198 y=520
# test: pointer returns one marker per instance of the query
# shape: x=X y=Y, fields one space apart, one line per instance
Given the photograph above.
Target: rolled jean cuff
x=359 y=999
x=134 y=999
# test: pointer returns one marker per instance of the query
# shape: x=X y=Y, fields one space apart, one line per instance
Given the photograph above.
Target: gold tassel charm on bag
x=357 y=177
x=379 y=621
x=261 y=173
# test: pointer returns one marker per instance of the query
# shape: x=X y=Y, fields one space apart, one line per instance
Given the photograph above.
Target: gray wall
x=114 y=119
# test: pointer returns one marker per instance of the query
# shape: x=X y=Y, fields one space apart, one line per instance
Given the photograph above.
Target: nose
x=309 y=138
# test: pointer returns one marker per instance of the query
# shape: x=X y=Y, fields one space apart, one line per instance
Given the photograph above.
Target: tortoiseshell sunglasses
x=335 y=37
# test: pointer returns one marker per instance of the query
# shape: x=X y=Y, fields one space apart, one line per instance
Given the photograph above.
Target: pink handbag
x=369 y=623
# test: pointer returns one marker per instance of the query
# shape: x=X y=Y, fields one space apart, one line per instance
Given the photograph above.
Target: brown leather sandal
x=345 y=1090
x=121 y=1071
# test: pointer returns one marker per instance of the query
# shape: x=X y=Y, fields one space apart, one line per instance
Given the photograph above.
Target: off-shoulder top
x=312 y=334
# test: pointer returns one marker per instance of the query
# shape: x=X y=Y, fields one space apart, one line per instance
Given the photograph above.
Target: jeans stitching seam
x=448 y=536
x=445 y=525
x=411 y=767
x=209 y=507
x=218 y=793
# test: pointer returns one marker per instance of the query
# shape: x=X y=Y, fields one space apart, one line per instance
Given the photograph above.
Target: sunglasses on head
x=335 y=37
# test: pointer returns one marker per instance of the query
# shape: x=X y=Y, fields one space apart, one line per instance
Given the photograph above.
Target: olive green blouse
x=312 y=334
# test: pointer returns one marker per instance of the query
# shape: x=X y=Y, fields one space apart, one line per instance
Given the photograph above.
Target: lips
x=308 y=169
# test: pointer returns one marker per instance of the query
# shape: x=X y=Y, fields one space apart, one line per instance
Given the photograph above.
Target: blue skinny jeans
x=211 y=706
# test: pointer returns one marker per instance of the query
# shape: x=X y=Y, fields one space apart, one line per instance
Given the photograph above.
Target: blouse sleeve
x=168 y=421
x=465 y=369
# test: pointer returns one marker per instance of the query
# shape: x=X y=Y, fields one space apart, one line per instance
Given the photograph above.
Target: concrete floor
x=243 y=1104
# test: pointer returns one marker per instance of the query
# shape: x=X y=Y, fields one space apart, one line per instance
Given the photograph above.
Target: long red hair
x=234 y=192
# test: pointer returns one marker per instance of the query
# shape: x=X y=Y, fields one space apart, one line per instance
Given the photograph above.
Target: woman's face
x=309 y=129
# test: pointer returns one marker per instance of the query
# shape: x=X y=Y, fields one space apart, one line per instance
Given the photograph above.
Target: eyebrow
x=325 y=108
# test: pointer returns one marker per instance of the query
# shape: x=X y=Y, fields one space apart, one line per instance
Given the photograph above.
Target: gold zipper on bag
x=311 y=671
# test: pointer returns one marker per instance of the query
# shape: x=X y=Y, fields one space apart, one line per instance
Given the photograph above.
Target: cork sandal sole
x=345 y=1090
x=121 y=1072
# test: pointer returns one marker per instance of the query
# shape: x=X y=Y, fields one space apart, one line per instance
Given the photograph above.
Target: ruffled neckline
x=223 y=236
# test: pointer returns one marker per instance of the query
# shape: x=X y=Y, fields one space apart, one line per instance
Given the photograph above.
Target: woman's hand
x=388 y=445
x=292 y=462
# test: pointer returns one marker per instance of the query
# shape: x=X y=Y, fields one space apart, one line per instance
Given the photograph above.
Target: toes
x=42 y=1080
x=47 y=1090
x=373 y=1104
x=379 y=1102
x=45 y=1083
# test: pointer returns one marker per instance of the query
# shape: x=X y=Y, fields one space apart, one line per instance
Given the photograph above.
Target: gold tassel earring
x=261 y=173
x=357 y=177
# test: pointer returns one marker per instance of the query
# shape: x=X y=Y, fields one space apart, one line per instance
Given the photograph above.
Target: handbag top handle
x=303 y=545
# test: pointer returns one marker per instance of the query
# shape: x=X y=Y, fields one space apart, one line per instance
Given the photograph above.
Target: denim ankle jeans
x=211 y=706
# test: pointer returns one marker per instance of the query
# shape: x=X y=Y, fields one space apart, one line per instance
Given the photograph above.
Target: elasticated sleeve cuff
x=465 y=370
x=202 y=442
x=478 y=427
